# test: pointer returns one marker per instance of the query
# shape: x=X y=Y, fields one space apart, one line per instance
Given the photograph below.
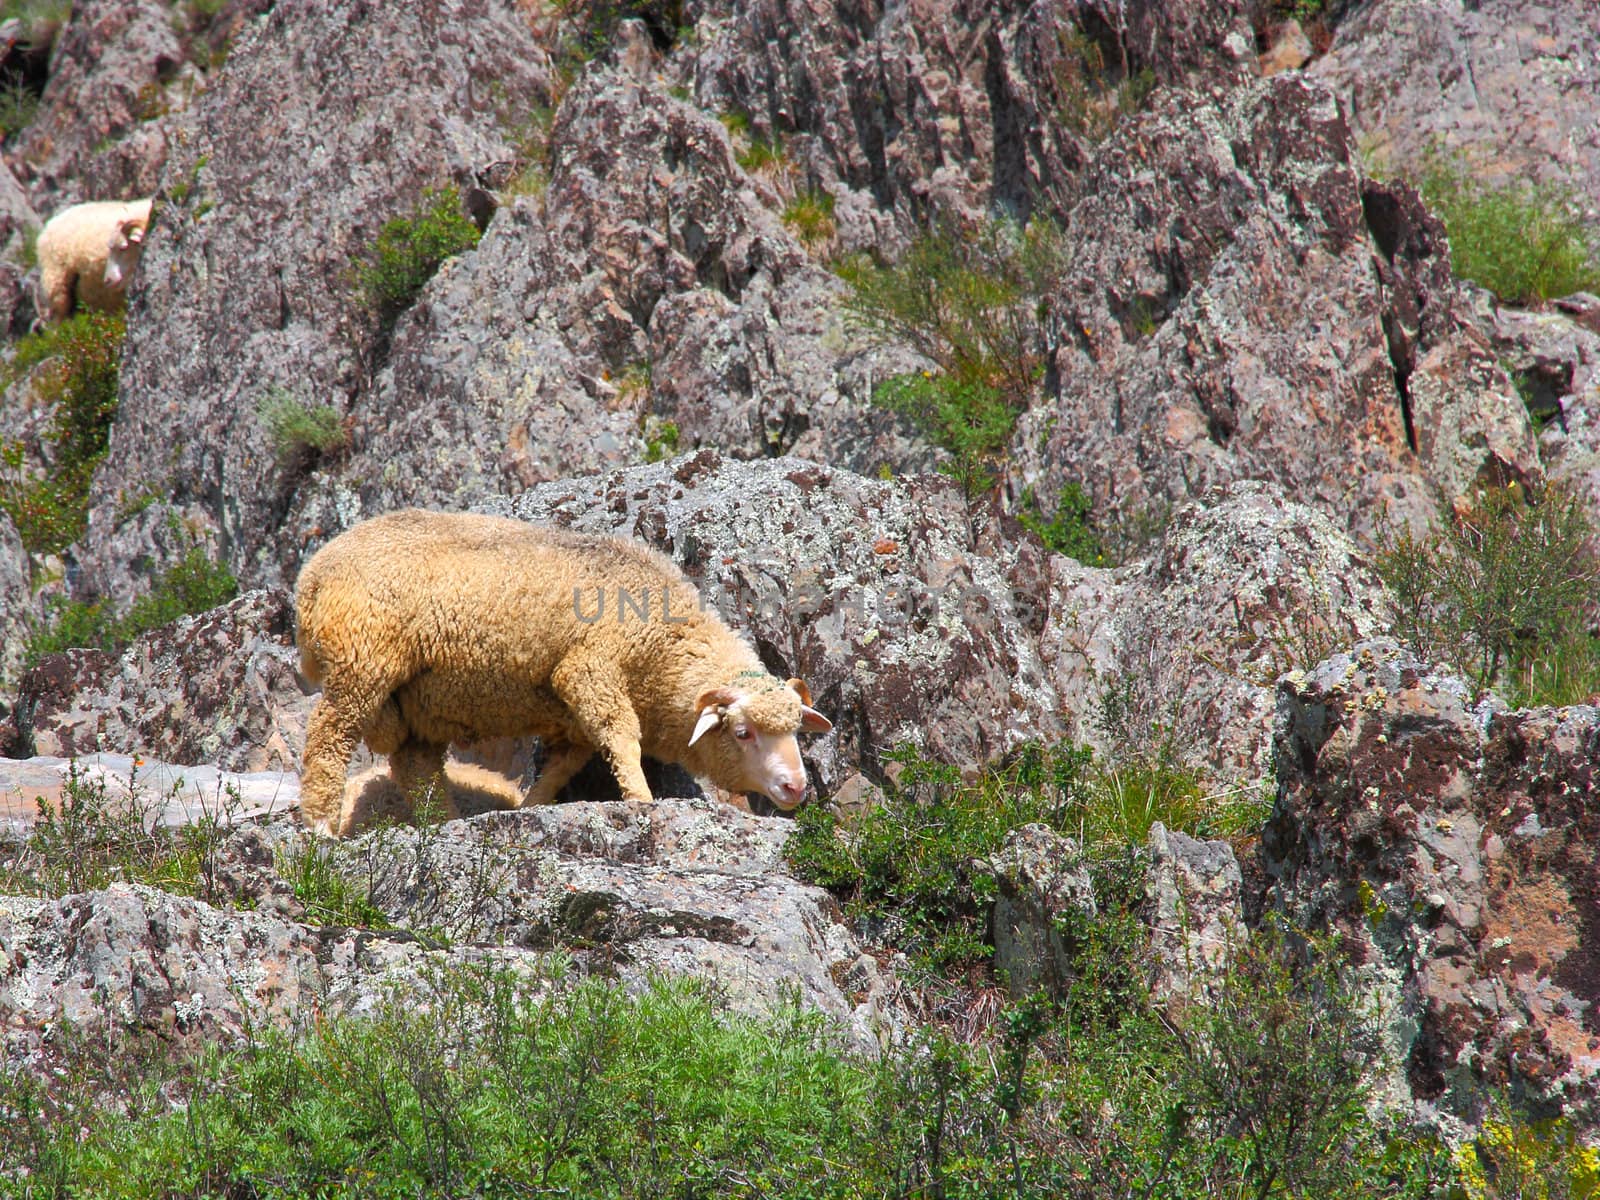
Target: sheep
x=87 y=253
x=428 y=628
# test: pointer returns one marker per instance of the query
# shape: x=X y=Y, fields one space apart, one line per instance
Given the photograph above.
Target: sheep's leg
x=418 y=771
x=593 y=693
x=331 y=735
x=564 y=762
x=58 y=286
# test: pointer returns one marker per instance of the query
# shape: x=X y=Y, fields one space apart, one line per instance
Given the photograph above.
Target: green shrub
x=972 y=305
x=762 y=154
x=1525 y=242
x=810 y=215
x=95 y=836
x=480 y=1082
x=1500 y=587
x=19 y=104
x=1070 y=531
x=1512 y=1158
x=918 y=857
x=78 y=365
x=330 y=898
x=193 y=584
x=295 y=428
x=660 y=439
x=1092 y=96
x=409 y=250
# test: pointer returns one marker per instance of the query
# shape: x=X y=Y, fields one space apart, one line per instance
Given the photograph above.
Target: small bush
x=19 y=104
x=1512 y=1158
x=330 y=898
x=79 y=362
x=1522 y=241
x=918 y=857
x=1498 y=587
x=810 y=215
x=762 y=154
x=409 y=250
x=1070 y=531
x=660 y=439
x=96 y=836
x=971 y=304
x=295 y=428
x=194 y=584
x=1092 y=96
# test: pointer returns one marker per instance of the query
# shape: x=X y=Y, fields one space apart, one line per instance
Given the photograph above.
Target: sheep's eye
x=743 y=732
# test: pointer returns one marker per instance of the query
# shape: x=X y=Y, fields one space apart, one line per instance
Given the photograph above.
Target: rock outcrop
x=1185 y=646
x=222 y=688
x=1509 y=85
x=326 y=121
x=1452 y=843
x=676 y=887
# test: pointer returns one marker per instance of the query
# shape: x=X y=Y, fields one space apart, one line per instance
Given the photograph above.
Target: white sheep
x=427 y=629
x=86 y=255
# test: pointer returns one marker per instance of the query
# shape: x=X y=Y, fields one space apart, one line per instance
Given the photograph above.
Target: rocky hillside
x=1207 y=394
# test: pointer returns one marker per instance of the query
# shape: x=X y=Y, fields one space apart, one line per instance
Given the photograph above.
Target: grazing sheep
x=431 y=628
x=87 y=253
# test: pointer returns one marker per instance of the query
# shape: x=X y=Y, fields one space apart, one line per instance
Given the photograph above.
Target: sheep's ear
x=710 y=706
x=710 y=718
x=814 y=722
x=717 y=697
x=799 y=685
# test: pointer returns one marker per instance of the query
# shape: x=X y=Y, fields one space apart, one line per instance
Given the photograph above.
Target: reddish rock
x=1454 y=845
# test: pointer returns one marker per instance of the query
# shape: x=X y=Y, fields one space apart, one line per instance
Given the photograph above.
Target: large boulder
x=1452 y=844
x=952 y=107
x=673 y=886
x=1513 y=85
x=326 y=121
x=117 y=69
x=1243 y=304
x=1184 y=647
x=628 y=891
x=221 y=688
x=584 y=323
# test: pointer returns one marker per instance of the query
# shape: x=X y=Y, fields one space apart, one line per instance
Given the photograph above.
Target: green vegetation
x=971 y=304
x=95 y=837
x=1070 y=531
x=1501 y=588
x=1092 y=95
x=762 y=154
x=1525 y=242
x=410 y=249
x=1515 y=1159
x=660 y=439
x=495 y=1084
x=810 y=215
x=918 y=857
x=76 y=366
x=19 y=104
x=193 y=584
x=330 y=898
x=295 y=428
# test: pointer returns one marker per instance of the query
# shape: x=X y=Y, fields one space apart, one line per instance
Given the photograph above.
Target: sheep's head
x=122 y=253
x=747 y=733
